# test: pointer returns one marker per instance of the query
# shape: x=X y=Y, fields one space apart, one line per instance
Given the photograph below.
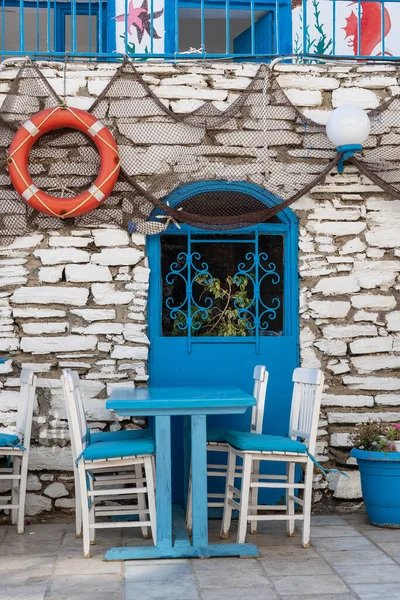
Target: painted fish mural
x=361 y=29
x=370 y=26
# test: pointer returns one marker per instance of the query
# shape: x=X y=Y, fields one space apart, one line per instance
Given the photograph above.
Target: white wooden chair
x=306 y=402
x=216 y=442
x=16 y=447
x=112 y=456
x=103 y=478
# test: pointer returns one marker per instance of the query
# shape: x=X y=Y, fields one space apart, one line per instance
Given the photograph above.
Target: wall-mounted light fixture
x=348 y=128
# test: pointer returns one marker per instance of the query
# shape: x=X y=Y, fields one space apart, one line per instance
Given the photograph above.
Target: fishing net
x=380 y=159
x=168 y=160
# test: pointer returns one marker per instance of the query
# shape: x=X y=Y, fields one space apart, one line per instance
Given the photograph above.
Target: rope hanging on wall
x=261 y=139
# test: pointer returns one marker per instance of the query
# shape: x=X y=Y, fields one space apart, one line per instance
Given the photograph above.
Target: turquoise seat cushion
x=122 y=448
x=217 y=434
x=115 y=436
x=258 y=442
x=8 y=440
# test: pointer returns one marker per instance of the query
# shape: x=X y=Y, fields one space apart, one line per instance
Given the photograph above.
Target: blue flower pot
x=380 y=483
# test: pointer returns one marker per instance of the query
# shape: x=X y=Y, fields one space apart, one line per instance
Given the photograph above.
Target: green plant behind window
x=222 y=318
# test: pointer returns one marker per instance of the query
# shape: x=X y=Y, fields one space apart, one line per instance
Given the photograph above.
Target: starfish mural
x=133 y=18
x=141 y=19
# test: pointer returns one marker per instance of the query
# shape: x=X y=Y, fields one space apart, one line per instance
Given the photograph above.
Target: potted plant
x=378 y=461
x=392 y=434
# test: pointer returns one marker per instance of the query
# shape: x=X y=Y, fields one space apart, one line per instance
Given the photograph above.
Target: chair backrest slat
x=306 y=404
x=75 y=413
x=260 y=377
x=27 y=402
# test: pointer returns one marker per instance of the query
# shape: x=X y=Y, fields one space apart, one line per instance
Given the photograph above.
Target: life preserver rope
x=49 y=120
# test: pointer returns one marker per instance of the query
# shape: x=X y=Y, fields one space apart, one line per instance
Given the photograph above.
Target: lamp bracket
x=347 y=151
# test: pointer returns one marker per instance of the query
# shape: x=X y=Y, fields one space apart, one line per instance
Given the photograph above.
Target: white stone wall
x=78 y=298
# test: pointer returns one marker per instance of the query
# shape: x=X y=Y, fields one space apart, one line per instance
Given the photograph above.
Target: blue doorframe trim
x=183 y=192
x=288 y=226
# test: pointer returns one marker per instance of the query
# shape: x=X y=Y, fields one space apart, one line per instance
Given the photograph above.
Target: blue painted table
x=195 y=403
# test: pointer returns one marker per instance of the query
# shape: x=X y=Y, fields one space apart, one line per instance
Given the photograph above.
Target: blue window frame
x=97 y=35
x=269 y=29
x=44 y=24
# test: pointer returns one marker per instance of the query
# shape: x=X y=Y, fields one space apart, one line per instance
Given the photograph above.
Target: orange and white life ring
x=49 y=120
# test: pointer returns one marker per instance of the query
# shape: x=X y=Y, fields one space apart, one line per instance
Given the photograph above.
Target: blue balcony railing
x=172 y=29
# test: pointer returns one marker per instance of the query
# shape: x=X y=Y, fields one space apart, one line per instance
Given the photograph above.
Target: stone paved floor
x=349 y=559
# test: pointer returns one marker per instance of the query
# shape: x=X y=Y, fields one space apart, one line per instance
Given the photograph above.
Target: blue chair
x=16 y=449
x=297 y=448
x=217 y=442
x=104 y=467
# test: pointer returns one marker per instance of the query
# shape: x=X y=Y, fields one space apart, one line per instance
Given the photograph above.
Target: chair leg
x=22 y=494
x=141 y=499
x=254 y=496
x=78 y=509
x=291 y=523
x=244 y=499
x=85 y=510
x=15 y=489
x=92 y=509
x=189 y=513
x=151 y=497
x=230 y=482
x=308 y=477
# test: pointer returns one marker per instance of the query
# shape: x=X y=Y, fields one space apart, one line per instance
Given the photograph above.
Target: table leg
x=163 y=479
x=199 y=481
x=181 y=549
x=164 y=548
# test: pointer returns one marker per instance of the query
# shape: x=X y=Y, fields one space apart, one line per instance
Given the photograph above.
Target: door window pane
x=222 y=286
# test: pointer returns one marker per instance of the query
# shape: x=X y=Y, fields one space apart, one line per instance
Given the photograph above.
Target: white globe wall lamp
x=347 y=128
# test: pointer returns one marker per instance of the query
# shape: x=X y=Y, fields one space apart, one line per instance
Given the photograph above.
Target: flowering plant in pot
x=378 y=461
x=392 y=434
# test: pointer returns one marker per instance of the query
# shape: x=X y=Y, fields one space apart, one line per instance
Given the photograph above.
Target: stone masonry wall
x=78 y=298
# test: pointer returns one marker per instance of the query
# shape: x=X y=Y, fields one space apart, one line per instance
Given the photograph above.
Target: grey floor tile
x=377 y=591
x=309 y=584
x=342 y=543
x=291 y=566
x=297 y=551
x=78 y=565
x=330 y=520
x=317 y=597
x=273 y=540
x=392 y=548
x=24 y=545
x=356 y=557
x=3 y=531
x=230 y=572
x=250 y=593
x=72 y=547
x=322 y=531
x=161 y=591
x=224 y=563
x=360 y=521
x=370 y=574
x=105 y=537
x=23 y=592
x=25 y=570
x=360 y=516
x=128 y=541
x=86 y=587
x=159 y=573
x=383 y=535
x=42 y=530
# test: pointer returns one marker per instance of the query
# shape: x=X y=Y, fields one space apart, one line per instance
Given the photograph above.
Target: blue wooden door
x=263 y=37
x=220 y=303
